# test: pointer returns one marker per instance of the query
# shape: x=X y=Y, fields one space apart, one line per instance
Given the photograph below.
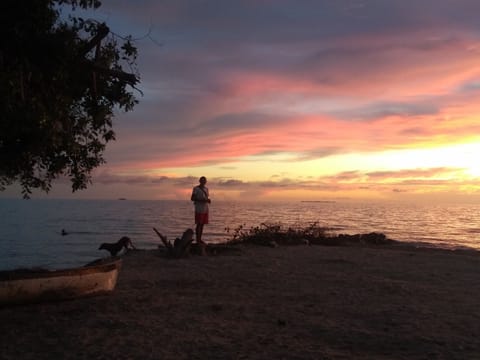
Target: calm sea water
x=30 y=233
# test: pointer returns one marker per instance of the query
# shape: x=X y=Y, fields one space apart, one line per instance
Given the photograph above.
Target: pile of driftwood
x=185 y=246
x=271 y=236
x=180 y=246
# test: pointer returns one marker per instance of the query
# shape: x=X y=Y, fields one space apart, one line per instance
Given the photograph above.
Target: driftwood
x=180 y=247
x=185 y=246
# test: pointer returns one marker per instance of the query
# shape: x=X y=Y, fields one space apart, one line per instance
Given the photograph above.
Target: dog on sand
x=115 y=248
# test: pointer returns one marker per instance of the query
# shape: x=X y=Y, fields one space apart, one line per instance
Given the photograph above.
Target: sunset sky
x=297 y=100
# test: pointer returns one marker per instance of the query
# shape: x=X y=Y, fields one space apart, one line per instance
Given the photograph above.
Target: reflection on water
x=31 y=230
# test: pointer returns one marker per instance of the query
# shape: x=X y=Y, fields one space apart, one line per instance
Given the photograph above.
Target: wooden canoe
x=30 y=286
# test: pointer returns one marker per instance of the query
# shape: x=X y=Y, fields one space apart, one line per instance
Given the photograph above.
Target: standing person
x=200 y=198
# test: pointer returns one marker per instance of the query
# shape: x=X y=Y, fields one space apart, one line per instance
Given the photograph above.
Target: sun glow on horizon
x=287 y=174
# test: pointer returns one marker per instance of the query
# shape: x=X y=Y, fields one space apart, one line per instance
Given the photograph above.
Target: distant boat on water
x=318 y=201
x=122 y=199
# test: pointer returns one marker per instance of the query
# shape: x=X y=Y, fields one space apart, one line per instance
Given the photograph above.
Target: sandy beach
x=297 y=302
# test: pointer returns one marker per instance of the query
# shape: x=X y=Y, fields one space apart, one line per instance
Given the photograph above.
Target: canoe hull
x=20 y=287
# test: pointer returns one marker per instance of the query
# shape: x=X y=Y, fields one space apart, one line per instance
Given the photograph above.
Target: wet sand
x=299 y=302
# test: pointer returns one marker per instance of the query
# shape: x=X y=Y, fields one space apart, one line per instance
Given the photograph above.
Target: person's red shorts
x=201 y=218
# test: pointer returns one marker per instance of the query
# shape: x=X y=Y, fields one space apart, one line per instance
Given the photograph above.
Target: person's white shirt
x=200 y=193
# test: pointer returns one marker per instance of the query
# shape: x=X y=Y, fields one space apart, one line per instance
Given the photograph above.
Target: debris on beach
x=273 y=235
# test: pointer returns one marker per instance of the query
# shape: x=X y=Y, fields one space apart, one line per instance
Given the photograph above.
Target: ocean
x=30 y=234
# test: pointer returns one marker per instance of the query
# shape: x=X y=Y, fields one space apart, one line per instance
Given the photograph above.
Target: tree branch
x=131 y=79
x=103 y=31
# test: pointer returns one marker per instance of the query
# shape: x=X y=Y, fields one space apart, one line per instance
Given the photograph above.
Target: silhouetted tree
x=61 y=78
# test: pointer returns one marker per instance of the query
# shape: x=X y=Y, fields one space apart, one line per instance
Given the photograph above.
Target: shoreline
x=90 y=223
x=294 y=302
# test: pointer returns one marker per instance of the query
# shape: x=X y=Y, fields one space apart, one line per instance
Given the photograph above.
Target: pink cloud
x=338 y=89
